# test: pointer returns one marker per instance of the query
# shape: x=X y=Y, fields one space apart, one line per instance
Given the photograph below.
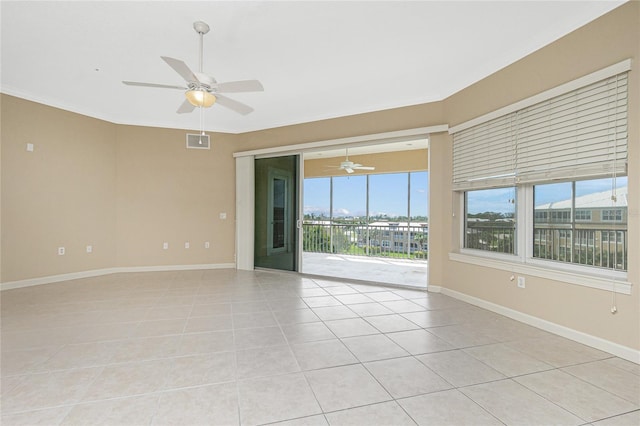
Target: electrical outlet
x=186 y=245
x=89 y=249
x=223 y=216
x=206 y=244
x=30 y=147
x=520 y=282
x=60 y=251
x=165 y=246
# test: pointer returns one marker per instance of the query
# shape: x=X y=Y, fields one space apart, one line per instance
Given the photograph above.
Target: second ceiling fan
x=349 y=166
x=203 y=90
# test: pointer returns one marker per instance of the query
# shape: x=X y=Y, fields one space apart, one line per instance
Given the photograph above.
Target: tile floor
x=227 y=347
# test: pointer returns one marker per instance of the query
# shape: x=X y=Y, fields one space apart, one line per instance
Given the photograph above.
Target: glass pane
x=491 y=220
x=349 y=197
x=419 y=196
x=388 y=197
x=275 y=242
x=579 y=222
x=317 y=202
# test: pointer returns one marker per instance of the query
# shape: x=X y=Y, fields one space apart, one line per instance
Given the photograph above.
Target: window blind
x=579 y=134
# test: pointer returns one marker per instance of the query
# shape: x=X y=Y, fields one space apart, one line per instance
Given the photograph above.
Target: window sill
x=601 y=282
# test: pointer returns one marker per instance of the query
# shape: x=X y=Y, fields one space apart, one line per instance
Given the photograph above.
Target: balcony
x=382 y=253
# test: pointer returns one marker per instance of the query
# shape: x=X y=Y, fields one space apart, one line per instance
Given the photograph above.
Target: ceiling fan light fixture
x=200 y=98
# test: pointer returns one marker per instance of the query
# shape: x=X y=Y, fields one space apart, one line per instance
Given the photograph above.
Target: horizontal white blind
x=484 y=155
x=582 y=133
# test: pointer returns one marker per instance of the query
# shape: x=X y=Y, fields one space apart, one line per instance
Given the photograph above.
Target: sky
x=387 y=195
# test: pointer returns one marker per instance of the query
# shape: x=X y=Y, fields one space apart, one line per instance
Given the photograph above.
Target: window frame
x=523 y=261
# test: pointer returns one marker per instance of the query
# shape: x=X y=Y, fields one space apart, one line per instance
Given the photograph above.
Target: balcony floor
x=382 y=270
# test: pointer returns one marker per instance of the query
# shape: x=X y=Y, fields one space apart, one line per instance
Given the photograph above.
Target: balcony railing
x=603 y=248
x=400 y=242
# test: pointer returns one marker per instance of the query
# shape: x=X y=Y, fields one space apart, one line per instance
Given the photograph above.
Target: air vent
x=197 y=141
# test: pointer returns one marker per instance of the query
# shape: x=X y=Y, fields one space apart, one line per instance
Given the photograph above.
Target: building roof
x=591 y=201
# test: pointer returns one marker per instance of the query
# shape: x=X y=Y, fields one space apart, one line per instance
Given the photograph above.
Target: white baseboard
x=99 y=272
x=616 y=349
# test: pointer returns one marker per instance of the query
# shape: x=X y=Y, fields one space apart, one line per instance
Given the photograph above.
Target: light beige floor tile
x=168 y=312
x=308 y=332
x=514 y=404
x=266 y=361
x=419 y=342
x=126 y=411
x=385 y=413
x=44 y=390
x=254 y=320
x=284 y=301
x=321 y=301
x=247 y=338
x=404 y=377
x=81 y=355
x=198 y=343
x=329 y=313
x=580 y=398
x=106 y=332
x=345 y=387
x=447 y=408
x=370 y=309
x=295 y=316
x=610 y=378
x=391 y=323
x=212 y=309
x=146 y=348
x=373 y=348
x=249 y=307
x=159 y=328
x=351 y=299
x=440 y=318
x=340 y=289
x=351 y=327
x=461 y=336
x=402 y=306
x=128 y=379
x=45 y=417
x=506 y=360
x=203 y=369
x=206 y=405
x=317 y=420
x=384 y=296
x=212 y=323
x=23 y=362
x=629 y=419
x=459 y=368
x=276 y=398
x=625 y=365
x=323 y=354
x=557 y=351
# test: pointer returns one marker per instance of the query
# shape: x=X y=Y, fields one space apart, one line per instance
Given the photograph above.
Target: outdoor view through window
x=369 y=215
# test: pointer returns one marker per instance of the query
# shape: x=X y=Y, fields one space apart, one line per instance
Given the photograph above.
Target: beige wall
x=606 y=41
x=167 y=193
x=388 y=162
x=127 y=189
x=63 y=194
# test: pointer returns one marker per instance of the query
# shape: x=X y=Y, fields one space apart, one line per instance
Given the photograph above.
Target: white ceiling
x=316 y=60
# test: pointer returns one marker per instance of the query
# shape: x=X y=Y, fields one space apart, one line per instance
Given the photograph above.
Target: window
x=491 y=220
x=583 y=215
x=579 y=241
x=564 y=153
x=612 y=215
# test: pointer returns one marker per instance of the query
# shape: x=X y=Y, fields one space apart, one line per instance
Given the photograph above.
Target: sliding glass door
x=276 y=213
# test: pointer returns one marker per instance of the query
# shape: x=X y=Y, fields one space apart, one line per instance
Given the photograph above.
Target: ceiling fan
x=203 y=90
x=350 y=166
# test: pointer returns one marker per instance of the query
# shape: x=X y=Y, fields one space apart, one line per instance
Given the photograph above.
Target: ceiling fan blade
x=348 y=170
x=185 y=107
x=234 y=105
x=240 y=86
x=181 y=68
x=364 y=167
x=161 y=86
